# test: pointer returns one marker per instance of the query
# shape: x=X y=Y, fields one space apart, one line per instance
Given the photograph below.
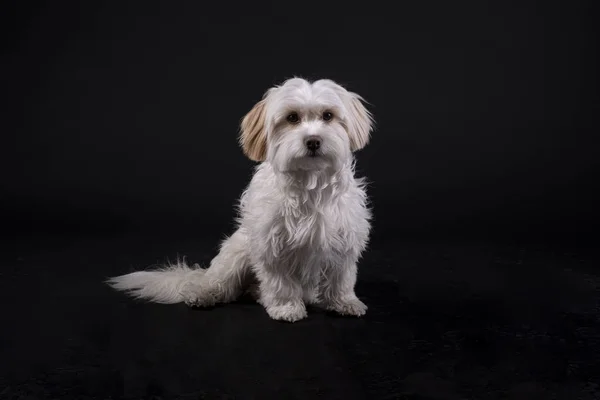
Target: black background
x=119 y=150
x=125 y=115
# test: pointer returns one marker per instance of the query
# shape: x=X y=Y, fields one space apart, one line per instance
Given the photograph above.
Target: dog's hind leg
x=226 y=277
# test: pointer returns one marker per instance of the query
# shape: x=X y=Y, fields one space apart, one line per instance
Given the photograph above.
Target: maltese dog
x=304 y=219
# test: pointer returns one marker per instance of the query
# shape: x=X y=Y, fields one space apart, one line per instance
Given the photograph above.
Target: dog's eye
x=293 y=118
x=327 y=116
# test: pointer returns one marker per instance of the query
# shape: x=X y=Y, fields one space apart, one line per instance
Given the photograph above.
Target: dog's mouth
x=312 y=160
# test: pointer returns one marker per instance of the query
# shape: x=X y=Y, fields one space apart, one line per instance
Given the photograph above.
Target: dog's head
x=301 y=125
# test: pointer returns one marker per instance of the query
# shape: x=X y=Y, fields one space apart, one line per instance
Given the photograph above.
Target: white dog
x=303 y=220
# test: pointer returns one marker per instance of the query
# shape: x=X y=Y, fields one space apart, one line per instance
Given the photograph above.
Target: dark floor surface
x=458 y=320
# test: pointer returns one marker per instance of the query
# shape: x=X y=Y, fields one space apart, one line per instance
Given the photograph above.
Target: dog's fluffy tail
x=162 y=285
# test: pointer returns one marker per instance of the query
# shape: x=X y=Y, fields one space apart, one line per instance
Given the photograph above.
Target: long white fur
x=303 y=221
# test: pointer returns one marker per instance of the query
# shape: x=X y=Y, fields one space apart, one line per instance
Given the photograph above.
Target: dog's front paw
x=290 y=312
x=350 y=306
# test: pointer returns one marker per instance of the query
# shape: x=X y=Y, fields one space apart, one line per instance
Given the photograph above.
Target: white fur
x=303 y=221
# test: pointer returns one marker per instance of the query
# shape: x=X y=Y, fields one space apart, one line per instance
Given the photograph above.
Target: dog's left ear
x=360 y=121
x=253 y=136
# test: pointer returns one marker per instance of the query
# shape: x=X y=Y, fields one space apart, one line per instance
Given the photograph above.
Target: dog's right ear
x=253 y=136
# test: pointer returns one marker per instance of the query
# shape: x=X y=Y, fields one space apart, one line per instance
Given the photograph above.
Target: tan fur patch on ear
x=361 y=123
x=253 y=137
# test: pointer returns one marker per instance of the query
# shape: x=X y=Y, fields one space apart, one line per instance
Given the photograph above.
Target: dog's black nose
x=313 y=143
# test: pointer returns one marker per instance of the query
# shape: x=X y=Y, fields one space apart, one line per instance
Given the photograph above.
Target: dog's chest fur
x=307 y=223
x=309 y=219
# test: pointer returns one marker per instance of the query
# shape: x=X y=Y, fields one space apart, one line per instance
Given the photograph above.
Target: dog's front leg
x=280 y=295
x=338 y=290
